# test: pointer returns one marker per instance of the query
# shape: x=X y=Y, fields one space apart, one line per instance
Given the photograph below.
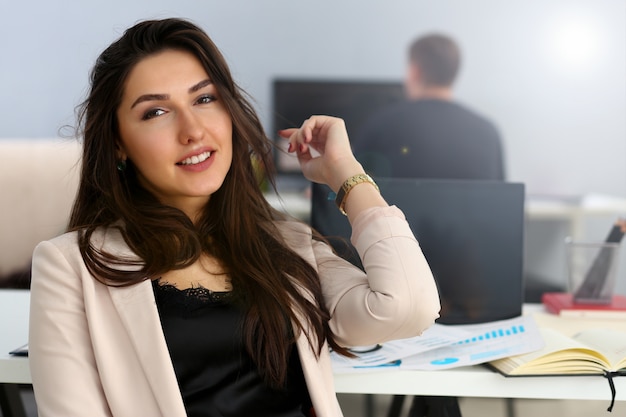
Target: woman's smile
x=197 y=161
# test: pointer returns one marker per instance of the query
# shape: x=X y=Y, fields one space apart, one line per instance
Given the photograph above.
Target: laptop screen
x=471 y=233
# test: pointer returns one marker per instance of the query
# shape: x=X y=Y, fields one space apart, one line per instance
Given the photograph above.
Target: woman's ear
x=120 y=153
x=120 y=156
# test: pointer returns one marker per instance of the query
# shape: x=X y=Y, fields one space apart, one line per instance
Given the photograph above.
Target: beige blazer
x=100 y=351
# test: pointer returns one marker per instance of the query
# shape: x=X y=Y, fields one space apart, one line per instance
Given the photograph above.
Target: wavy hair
x=237 y=226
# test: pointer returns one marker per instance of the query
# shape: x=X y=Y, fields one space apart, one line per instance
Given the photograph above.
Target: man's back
x=430 y=138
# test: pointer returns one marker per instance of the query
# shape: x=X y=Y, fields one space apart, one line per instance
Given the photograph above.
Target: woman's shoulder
x=101 y=237
x=67 y=241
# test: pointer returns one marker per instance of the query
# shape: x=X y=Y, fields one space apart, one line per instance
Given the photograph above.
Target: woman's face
x=175 y=130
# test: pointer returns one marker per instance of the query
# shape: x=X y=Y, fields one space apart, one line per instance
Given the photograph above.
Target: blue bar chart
x=486 y=342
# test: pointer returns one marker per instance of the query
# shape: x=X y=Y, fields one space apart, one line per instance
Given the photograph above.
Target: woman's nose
x=190 y=127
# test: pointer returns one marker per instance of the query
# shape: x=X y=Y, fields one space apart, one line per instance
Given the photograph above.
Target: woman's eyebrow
x=153 y=97
x=150 y=97
x=200 y=85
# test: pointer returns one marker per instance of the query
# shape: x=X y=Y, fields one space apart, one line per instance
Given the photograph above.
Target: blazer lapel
x=136 y=306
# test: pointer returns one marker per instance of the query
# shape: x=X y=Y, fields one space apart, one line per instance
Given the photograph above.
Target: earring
x=121 y=165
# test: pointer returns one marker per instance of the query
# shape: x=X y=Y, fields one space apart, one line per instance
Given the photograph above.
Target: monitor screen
x=471 y=233
x=295 y=100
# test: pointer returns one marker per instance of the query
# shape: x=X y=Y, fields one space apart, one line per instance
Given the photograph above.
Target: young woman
x=178 y=290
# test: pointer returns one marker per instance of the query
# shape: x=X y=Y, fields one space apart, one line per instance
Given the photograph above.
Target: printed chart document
x=487 y=342
x=389 y=353
x=449 y=346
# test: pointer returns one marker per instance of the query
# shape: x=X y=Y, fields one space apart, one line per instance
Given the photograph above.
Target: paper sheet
x=449 y=346
x=434 y=337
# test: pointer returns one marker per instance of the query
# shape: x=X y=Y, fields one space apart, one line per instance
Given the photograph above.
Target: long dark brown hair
x=237 y=226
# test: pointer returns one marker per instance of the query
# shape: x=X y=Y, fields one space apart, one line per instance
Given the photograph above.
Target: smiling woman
x=175 y=130
x=178 y=289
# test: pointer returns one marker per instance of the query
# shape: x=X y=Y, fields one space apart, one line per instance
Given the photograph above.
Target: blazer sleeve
x=62 y=362
x=395 y=298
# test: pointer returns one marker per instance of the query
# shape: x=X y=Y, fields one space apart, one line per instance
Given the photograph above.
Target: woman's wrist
x=343 y=172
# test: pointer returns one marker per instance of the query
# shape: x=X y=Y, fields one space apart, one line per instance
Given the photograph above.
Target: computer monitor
x=295 y=100
x=471 y=233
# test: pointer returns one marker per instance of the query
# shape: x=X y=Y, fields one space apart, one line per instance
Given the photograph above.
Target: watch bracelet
x=346 y=187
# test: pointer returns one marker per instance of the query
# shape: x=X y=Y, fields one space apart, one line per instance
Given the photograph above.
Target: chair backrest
x=471 y=232
x=38 y=182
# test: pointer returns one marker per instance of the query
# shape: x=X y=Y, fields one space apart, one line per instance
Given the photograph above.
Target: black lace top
x=216 y=376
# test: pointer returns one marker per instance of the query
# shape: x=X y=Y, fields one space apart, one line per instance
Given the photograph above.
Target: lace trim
x=189 y=298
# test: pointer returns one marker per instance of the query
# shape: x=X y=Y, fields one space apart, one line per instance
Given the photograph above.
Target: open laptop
x=471 y=232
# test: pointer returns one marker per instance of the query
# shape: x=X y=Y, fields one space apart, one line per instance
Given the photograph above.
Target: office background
x=550 y=73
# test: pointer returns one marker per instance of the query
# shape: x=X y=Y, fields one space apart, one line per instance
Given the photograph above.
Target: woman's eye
x=206 y=99
x=152 y=113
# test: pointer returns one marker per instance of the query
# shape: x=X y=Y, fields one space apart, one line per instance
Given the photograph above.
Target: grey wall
x=564 y=123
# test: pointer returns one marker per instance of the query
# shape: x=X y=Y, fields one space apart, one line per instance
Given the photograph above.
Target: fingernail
x=290 y=147
x=302 y=147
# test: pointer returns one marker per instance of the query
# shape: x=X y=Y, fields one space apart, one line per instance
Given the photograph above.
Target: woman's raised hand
x=323 y=150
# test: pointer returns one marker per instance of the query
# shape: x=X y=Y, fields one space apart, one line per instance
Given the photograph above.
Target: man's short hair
x=438 y=57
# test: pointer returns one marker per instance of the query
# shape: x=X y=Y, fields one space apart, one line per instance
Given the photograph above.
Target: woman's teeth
x=196 y=159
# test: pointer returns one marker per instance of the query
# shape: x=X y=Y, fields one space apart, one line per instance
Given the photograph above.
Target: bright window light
x=576 y=43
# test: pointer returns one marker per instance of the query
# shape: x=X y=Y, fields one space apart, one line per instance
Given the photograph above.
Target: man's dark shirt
x=430 y=139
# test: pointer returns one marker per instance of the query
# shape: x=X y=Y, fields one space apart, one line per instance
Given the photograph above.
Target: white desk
x=295 y=204
x=473 y=381
x=478 y=381
x=14 y=306
x=14 y=309
x=575 y=211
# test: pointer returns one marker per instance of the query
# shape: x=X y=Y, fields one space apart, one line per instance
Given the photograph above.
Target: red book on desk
x=563 y=304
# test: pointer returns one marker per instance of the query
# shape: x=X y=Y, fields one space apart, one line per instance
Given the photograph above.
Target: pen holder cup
x=592 y=271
